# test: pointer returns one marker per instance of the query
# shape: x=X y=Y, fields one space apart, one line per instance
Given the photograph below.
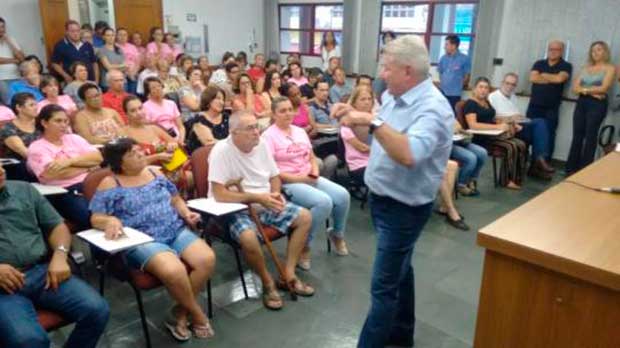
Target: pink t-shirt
x=6 y=114
x=302 y=119
x=291 y=151
x=41 y=152
x=299 y=82
x=164 y=52
x=132 y=55
x=164 y=114
x=355 y=159
x=63 y=100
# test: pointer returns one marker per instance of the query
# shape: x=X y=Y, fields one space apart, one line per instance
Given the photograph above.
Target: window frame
x=311 y=30
x=429 y=33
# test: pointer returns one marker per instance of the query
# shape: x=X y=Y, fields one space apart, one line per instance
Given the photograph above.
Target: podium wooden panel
x=552 y=268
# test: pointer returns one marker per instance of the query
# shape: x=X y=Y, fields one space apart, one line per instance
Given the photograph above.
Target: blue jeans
x=471 y=158
x=72 y=206
x=391 y=319
x=75 y=300
x=551 y=116
x=536 y=134
x=453 y=99
x=323 y=199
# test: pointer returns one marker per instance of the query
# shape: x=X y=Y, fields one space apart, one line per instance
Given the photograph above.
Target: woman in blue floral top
x=140 y=197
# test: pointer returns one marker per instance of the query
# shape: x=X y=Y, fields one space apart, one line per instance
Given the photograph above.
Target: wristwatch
x=63 y=249
x=374 y=124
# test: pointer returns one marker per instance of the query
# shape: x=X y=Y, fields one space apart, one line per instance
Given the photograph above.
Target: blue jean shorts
x=239 y=222
x=139 y=256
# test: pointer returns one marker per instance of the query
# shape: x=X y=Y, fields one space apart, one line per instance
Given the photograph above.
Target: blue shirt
x=336 y=92
x=22 y=86
x=321 y=114
x=452 y=70
x=65 y=53
x=146 y=208
x=425 y=116
x=98 y=41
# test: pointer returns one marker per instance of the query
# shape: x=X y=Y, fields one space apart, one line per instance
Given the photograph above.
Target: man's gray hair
x=410 y=50
x=24 y=66
x=111 y=73
x=234 y=122
x=513 y=74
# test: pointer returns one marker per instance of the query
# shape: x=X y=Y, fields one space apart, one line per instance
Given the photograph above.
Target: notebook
x=178 y=158
x=131 y=239
x=212 y=207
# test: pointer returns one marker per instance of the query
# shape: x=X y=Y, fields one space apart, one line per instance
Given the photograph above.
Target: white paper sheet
x=211 y=207
x=490 y=132
x=8 y=161
x=48 y=190
x=328 y=131
x=131 y=239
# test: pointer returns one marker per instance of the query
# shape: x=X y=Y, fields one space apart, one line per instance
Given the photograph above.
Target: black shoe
x=460 y=224
x=539 y=174
x=443 y=213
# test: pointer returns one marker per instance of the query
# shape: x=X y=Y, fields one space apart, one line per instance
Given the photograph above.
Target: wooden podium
x=552 y=268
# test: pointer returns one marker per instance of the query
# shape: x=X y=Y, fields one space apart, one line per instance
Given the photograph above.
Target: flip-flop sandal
x=299 y=287
x=203 y=331
x=269 y=297
x=173 y=328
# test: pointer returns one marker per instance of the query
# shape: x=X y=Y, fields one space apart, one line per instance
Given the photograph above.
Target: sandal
x=272 y=299
x=180 y=333
x=203 y=331
x=299 y=287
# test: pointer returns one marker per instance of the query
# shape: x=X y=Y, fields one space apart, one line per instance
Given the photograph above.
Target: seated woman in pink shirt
x=161 y=111
x=357 y=152
x=63 y=159
x=158 y=47
x=51 y=89
x=299 y=172
x=297 y=74
x=303 y=116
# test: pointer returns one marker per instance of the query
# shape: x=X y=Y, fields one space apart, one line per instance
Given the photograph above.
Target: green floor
x=448 y=268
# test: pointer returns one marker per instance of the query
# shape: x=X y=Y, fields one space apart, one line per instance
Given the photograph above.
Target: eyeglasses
x=510 y=84
x=249 y=128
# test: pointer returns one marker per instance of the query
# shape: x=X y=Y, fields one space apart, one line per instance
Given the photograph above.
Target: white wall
x=524 y=30
x=231 y=24
x=23 y=22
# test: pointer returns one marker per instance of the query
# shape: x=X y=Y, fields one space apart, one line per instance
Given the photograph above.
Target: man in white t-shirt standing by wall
x=10 y=57
x=243 y=155
x=533 y=131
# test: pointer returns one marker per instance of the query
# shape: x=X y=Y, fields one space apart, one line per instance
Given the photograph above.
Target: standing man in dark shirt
x=70 y=50
x=548 y=77
x=34 y=273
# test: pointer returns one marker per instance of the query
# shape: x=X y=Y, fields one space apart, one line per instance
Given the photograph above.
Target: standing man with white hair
x=548 y=77
x=408 y=155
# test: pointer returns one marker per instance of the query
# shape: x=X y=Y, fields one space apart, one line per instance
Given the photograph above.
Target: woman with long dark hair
x=110 y=56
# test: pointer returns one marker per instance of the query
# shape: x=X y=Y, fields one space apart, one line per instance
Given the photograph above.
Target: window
x=433 y=20
x=302 y=27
